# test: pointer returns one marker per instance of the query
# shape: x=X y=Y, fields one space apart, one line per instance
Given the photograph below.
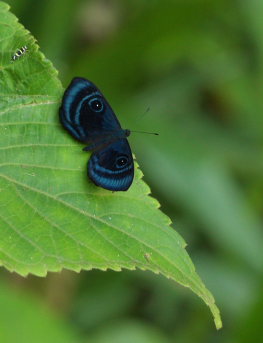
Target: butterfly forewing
x=79 y=114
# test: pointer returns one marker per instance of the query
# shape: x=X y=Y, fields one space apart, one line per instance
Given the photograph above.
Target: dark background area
x=193 y=72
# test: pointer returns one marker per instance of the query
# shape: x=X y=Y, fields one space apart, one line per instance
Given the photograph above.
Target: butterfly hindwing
x=112 y=168
x=88 y=117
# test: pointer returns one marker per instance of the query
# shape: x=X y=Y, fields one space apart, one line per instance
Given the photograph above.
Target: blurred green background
x=192 y=71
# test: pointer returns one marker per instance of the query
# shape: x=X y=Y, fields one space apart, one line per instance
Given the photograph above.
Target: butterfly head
x=127 y=133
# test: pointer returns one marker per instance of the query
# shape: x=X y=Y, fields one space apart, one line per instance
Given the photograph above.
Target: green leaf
x=51 y=215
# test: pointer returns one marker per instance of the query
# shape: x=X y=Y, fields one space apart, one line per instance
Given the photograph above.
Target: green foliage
x=43 y=327
x=52 y=217
x=197 y=65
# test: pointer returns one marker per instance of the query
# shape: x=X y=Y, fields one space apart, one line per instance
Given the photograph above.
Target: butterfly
x=88 y=117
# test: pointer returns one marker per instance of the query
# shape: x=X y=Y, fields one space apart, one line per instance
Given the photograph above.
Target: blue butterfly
x=88 y=117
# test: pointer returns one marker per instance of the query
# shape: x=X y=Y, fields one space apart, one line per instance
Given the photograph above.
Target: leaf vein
x=105 y=223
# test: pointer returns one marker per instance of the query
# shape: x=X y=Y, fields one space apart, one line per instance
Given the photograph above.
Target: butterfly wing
x=88 y=117
x=85 y=113
x=112 y=167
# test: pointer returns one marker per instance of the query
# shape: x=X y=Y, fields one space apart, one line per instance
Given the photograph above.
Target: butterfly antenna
x=149 y=133
x=140 y=116
x=146 y=111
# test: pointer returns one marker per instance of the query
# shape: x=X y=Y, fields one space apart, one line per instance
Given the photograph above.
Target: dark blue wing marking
x=112 y=168
x=85 y=113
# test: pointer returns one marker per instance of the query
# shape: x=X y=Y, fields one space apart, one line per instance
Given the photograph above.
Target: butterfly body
x=88 y=117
